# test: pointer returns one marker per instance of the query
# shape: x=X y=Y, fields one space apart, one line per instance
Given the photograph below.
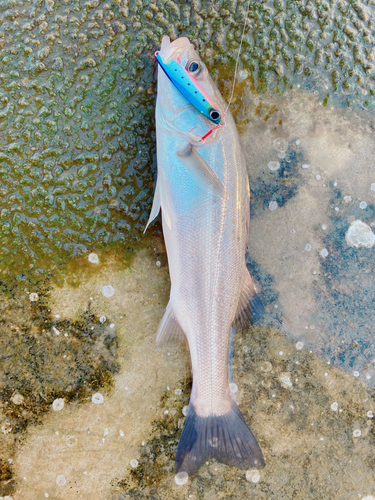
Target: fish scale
x=203 y=192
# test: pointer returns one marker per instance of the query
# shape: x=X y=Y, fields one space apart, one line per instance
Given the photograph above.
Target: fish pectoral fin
x=249 y=308
x=190 y=157
x=169 y=327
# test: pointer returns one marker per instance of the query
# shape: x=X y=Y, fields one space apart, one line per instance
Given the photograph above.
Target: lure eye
x=215 y=115
x=194 y=68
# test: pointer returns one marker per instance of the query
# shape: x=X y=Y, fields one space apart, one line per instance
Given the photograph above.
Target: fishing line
x=238 y=57
x=222 y=124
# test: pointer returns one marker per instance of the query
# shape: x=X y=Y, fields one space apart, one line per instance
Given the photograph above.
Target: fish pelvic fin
x=156 y=204
x=169 y=327
x=161 y=200
x=227 y=438
x=190 y=157
x=250 y=308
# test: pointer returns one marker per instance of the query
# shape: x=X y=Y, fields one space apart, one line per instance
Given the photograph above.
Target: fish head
x=174 y=108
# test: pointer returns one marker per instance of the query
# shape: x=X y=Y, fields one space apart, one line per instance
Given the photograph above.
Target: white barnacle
x=357 y=433
x=17 y=399
x=108 y=291
x=272 y=205
x=93 y=258
x=233 y=388
x=253 y=476
x=181 y=478
x=334 y=406
x=58 y=404
x=133 y=463
x=97 y=398
x=273 y=165
x=285 y=380
x=60 y=480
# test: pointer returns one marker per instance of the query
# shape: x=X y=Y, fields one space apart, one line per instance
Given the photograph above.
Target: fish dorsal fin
x=169 y=327
x=249 y=307
x=160 y=200
x=190 y=157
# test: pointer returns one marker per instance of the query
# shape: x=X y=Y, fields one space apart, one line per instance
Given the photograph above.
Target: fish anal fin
x=190 y=157
x=169 y=327
x=249 y=308
x=227 y=438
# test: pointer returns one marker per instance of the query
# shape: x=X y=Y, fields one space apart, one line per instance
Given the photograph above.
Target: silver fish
x=203 y=190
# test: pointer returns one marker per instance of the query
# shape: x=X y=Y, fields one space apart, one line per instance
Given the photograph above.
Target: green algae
x=77 y=93
x=46 y=359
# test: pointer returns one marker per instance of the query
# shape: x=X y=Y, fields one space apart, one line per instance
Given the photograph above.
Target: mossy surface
x=77 y=95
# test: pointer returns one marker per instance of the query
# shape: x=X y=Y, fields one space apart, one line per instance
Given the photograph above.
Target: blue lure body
x=190 y=89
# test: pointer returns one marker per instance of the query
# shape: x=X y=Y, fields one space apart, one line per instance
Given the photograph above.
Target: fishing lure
x=190 y=88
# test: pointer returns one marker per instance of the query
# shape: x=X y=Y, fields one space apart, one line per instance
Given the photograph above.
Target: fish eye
x=194 y=67
x=215 y=115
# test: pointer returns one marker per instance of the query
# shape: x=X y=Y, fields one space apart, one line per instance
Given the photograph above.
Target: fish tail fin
x=227 y=438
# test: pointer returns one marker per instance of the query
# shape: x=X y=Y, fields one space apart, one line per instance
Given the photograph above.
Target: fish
x=202 y=189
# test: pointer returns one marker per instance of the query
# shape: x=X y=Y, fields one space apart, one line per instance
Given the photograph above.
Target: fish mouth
x=175 y=49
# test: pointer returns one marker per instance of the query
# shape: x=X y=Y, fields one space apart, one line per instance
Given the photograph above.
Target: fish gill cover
x=77 y=93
